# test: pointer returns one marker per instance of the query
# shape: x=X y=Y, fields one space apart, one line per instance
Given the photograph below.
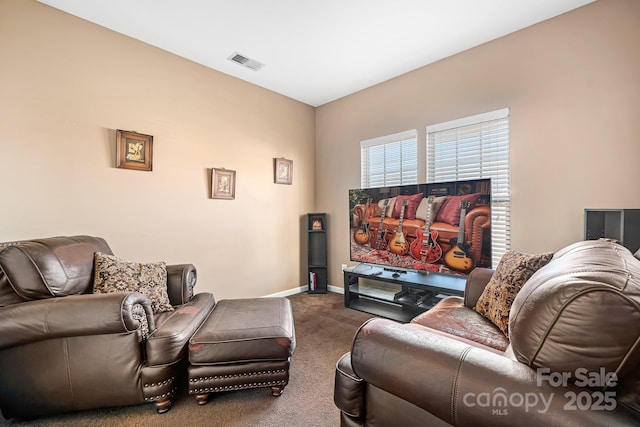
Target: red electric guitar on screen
x=425 y=248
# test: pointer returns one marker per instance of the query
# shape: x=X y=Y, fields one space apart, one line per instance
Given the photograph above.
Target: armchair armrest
x=75 y=315
x=348 y=393
x=181 y=279
x=168 y=343
x=468 y=386
x=477 y=280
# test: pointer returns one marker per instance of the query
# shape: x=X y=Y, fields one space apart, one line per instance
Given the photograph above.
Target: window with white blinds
x=389 y=160
x=472 y=148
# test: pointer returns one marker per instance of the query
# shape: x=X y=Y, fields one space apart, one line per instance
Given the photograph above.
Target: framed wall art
x=134 y=150
x=223 y=184
x=283 y=171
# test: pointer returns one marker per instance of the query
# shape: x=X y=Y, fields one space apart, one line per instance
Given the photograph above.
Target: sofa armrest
x=181 y=279
x=75 y=315
x=480 y=216
x=468 y=386
x=476 y=222
x=359 y=212
x=477 y=280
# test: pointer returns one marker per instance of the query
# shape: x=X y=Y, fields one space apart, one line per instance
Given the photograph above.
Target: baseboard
x=336 y=289
x=288 y=292
x=301 y=289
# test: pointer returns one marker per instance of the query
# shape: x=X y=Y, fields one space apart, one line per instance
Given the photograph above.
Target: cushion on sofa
x=450 y=210
x=412 y=205
x=513 y=270
x=423 y=208
x=451 y=316
x=581 y=310
x=390 y=205
x=113 y=274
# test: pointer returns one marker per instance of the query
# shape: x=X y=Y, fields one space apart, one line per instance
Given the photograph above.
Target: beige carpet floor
x=324 y=330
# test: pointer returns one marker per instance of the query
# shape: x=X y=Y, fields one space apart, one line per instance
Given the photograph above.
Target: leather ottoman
x=244 y=343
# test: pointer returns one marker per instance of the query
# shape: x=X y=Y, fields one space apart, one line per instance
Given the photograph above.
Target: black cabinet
x=620 y=225
x=317 y=252
x=397 y=296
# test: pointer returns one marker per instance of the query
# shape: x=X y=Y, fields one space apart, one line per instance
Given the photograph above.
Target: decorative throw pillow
x=410 y=209
x=450 y=210
x=423 y=207
x=513 y=270
x=391 y=203
x=113 y=274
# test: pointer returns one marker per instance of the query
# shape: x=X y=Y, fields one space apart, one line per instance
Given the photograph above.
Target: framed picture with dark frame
x=134 y=150
x=283 y=171
x=223 y=184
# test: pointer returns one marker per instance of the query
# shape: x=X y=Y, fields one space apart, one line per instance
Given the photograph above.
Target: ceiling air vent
x=246 y=62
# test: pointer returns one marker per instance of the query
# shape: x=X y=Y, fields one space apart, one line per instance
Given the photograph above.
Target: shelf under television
x=399 y=297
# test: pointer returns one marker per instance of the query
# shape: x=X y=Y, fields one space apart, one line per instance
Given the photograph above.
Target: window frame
x=403 y=170
x=494 y=153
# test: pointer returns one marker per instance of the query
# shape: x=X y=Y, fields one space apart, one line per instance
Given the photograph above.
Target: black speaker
x=619 y=225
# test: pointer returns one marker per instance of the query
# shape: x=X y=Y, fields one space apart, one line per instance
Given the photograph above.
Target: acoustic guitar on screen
x=363 y=234
x=459 y=256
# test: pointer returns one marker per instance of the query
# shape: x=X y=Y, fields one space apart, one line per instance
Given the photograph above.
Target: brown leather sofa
x=476 y=222
x=63 y=348
x=574 y=324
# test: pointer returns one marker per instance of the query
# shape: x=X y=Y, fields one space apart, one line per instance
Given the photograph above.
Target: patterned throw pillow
x=113 y=274
x=513 y=270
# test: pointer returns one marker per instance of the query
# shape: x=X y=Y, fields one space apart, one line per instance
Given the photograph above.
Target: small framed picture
x=283 y=171
x=223 y=184
x=134 y=150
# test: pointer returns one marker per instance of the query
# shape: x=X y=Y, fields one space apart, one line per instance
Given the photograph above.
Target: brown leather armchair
x=63 y=348
x=574 y=324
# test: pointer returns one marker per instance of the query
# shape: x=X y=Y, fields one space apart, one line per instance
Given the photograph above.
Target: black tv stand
x=385 y=293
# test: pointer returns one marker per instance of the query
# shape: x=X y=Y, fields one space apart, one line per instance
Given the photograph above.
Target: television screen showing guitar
x=440 y=227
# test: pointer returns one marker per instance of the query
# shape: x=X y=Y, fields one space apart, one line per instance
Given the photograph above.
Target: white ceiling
x=316 y=51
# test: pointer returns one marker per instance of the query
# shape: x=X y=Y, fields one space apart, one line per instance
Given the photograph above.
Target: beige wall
x=572 y=84
x=66 y=85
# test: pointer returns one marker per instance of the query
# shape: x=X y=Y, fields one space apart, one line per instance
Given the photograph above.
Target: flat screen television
x=442 y=227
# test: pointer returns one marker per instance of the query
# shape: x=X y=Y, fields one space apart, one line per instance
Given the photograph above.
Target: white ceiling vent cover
x=246 y=62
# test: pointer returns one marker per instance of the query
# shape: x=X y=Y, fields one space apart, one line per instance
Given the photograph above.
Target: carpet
x=324 y=331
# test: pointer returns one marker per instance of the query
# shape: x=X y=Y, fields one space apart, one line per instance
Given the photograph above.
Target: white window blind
x=389 y=160
x=472 y=148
